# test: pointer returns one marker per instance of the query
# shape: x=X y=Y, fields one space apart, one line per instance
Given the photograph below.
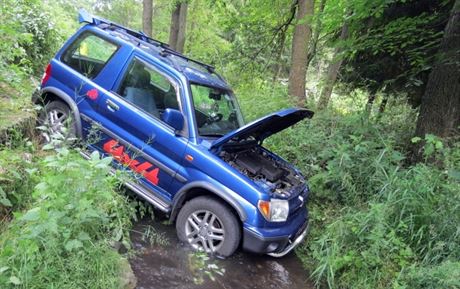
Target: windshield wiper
x=213 y=134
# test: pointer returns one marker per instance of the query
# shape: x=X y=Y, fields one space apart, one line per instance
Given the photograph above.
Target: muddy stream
x=161 y=261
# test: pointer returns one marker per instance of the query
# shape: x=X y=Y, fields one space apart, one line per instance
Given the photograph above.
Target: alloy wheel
x=205 y=231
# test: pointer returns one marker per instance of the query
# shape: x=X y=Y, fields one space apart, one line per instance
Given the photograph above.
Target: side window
x=148 y=89
x=88 y=54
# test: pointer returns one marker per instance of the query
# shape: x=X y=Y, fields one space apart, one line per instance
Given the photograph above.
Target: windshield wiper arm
x=213 y=134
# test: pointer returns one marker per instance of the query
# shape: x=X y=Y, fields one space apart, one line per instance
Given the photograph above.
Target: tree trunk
x=301 y=38
x=383 y=104
x=174 y=29
x=182 y=25
x=147 y=17
x=316 y=33
x=370 y=103
x=178 y=24
x=332 y=71
x=440 y=107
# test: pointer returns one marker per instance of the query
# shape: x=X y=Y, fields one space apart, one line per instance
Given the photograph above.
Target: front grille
x=295 y=204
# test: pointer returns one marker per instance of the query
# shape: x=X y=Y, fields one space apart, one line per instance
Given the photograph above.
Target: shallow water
x=175 y=266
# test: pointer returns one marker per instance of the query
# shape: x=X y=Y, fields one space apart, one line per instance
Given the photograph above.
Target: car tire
x=209 y=225
x=53 y=118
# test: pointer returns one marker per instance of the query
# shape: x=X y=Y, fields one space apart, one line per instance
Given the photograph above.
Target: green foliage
x=28 y=38
x=347 y=155
x=127 y=13
x=337 y=11
x=445 y=275
x=16 y=182
x=203 y=266
x=396 y=49
x=63 y=240
x=255 y=31
x=412 y=220
x=154 y=237
x=377 y=222
x=252 y=93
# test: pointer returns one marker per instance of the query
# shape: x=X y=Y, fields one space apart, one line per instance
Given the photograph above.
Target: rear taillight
x=46 y=76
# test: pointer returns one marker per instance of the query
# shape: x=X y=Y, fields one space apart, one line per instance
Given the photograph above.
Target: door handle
x=112 y=106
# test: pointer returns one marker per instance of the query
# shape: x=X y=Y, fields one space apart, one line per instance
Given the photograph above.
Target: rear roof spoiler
x=85 y=17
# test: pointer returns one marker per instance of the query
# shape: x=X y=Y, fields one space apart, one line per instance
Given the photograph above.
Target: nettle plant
x=77 y=212
x=16 y=166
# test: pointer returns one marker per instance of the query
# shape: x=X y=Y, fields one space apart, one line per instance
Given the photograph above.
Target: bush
x=16 y=165
x=63 y=241
x=344 y=156
x=377 y=221
x=252 y=94
x=28 y=39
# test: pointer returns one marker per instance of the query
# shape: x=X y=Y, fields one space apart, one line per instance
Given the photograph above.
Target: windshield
x=216 y=110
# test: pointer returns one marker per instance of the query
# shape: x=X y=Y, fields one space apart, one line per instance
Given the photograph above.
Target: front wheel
x=208 y=225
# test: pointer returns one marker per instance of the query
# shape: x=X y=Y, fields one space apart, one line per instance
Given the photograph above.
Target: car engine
x=270 y=174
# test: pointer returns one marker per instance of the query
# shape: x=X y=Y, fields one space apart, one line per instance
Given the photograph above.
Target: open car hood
x=264 y=127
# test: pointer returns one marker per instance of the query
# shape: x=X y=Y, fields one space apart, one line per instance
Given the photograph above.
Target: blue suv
x=177 y=124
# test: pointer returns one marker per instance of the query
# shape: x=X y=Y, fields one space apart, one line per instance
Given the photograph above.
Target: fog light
x=272 y=247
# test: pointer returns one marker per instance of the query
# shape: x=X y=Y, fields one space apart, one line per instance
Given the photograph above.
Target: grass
x=13 y=114
x=17 y=115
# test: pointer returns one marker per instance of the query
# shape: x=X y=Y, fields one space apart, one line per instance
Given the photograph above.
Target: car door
x=132 y=130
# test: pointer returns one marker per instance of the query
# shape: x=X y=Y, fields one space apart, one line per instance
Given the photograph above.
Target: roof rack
x=85 y=17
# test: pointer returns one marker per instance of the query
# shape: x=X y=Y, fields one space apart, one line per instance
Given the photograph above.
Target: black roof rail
x=84 y=16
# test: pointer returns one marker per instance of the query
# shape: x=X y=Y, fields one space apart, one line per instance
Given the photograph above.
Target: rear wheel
x=56 y=121
x=208 y=225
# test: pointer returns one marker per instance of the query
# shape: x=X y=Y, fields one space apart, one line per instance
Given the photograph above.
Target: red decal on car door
x=118 y=152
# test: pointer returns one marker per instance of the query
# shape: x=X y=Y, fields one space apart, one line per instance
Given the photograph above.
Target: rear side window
x=89 y=54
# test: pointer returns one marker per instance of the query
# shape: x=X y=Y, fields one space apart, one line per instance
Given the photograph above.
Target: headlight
x=274 y=210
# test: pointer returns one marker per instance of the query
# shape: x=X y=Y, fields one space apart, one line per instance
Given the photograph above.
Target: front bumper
x=292 y=244
x=274 y=246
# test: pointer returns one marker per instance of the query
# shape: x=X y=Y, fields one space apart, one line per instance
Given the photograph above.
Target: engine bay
x=270 y=174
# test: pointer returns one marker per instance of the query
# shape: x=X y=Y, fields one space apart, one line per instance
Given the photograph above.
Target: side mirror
x=174 y=118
